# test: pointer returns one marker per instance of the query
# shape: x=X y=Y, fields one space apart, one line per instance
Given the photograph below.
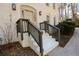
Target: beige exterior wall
x=6 y=13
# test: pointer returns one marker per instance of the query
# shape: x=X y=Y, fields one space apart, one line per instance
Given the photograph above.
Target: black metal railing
x=52 y=30
x=24 y=26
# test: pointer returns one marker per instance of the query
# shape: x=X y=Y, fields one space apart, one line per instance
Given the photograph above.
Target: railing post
x=21 y=28
x=40 y=42
x=59 y=35
x=48 y=28
x=17 y=29
x=45 y=26
x=52 y=33
x=40 y=26
x=28 y=28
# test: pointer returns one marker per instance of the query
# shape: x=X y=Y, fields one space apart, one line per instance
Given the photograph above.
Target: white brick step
x=48 y=45
x=48 y=37
x=46 y=34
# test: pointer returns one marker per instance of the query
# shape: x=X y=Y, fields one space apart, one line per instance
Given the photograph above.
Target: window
x=53 y=5
x=47 y=4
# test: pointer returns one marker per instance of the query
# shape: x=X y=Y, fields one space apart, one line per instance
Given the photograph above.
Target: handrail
x=32 y=26
x=38 y=34
x=30 y=23
x=52 y=30
x=35 y=32
x=54 y=27
x=57 y=32
x=35 y=27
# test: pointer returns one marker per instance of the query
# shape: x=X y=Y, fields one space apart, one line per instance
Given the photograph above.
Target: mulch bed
x=64 y=40
x=15 y=49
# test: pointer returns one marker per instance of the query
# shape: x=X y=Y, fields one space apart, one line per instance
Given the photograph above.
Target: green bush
x=66 y=27
x=68 y=19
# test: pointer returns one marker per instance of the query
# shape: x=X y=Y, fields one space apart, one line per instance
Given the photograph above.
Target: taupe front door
x=30 y=16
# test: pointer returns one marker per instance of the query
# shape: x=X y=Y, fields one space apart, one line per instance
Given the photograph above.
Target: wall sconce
x=13 y=6
x=40 y=13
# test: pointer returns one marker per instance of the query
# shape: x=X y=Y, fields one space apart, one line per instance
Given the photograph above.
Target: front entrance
x=30 y=16
x=29 y=13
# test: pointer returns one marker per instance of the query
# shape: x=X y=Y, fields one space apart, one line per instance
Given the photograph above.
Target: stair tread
x=47 y=44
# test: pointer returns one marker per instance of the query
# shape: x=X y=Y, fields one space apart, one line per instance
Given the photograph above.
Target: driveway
x=71 y=49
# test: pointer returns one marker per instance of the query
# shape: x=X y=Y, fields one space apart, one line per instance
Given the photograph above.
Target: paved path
x=71 y=49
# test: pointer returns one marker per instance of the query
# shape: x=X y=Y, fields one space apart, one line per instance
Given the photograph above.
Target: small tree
x=7 y=31
x=74 y=12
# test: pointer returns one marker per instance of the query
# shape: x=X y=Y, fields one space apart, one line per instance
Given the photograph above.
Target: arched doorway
x=29 y=12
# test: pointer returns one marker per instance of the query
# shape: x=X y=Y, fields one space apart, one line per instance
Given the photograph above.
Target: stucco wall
x=7 y=14
x=46 y=10
x=7 y=17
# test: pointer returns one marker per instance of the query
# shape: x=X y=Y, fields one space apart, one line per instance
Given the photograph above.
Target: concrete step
x=48 y=37
x=49 y=44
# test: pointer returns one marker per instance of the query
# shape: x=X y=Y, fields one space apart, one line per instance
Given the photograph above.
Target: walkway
x=71 y=49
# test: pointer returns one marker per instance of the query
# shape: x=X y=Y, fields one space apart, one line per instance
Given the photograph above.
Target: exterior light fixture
x=13 y=6
x=40 y=13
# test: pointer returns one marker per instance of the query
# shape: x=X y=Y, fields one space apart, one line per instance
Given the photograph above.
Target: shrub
x=68 y=19
x=66 y=27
